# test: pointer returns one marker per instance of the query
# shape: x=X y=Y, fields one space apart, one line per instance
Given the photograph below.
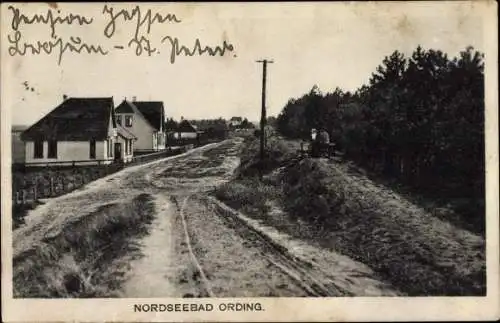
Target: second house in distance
x=145 y=119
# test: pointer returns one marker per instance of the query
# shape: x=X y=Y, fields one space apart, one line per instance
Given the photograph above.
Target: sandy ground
x=150 y=276
x=198 y=247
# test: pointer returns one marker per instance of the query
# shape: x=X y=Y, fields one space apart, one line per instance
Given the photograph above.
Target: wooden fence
x=51 y=179
x=70 y=163
x=35 y=184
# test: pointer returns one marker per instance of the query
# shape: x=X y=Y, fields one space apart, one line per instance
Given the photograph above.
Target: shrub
x=73 y=260
x=417 y=252
x=248 y=195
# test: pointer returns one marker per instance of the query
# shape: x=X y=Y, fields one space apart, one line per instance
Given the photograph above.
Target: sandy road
x=192 y=250
x=198 y=247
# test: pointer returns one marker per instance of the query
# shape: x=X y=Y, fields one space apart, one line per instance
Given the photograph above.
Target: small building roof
x=125 y=133
x=124 y=107
x=186 y=126
x=75 y=119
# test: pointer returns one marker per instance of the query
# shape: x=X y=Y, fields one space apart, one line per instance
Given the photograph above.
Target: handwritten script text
x=141 y=41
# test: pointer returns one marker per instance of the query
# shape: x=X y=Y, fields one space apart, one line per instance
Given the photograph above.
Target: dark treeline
x=420 y=120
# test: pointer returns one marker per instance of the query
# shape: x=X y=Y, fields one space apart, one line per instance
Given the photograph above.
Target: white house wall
x=141 y=129
x=155 y=141
x=186 y=135
x=67 y=151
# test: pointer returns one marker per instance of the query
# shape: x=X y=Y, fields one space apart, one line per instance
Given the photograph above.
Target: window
x=92 y=149
x=52 y=149
x=119 y=120
x=38 y=149
x=128 y=121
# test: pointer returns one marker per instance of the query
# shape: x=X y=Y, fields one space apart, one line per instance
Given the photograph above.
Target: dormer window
x=128 y=121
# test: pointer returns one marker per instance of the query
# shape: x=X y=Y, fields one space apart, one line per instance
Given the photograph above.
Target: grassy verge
x=75 y=261
x=417 y=252
x=248 y=195
x=247 y=192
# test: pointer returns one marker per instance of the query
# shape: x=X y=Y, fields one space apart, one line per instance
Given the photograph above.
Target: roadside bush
x=72 y=259
x=247 y=195
x=409 y=247
x=306 y=193
x=277 y=152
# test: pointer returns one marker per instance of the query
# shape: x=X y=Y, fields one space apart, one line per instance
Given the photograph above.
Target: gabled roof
x=74 y=119
x=185 y=126
x=125 y=133
x=152 y=111
x=124 y=107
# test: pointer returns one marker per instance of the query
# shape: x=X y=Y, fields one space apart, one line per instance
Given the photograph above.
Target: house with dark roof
x=186 y=130
x=146 y=120
x=235 y=121
x=212 y=128
x=79 y=131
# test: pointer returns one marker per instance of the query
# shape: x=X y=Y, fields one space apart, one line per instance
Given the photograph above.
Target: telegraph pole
x=263 y=111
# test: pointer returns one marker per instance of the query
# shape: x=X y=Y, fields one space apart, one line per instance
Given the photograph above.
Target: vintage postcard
x=293 y=161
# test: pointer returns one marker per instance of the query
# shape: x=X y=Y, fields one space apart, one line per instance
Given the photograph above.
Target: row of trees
x=420 y=119
x=204 y=124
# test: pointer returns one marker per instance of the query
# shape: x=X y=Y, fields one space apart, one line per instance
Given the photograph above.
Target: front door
x=118 y=151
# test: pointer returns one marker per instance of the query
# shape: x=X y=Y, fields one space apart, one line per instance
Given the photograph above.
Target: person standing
x=313 y=134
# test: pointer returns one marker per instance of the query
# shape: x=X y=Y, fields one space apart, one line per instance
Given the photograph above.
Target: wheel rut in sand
x=151 y=274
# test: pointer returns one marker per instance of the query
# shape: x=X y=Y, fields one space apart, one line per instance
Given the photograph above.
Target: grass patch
x=74 y=261
x=417 y=252
x=247 y=192
x=19 y=211
x=278 y=152
x=248 y=195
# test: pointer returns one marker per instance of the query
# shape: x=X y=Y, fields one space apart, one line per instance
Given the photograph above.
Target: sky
x=325 y=44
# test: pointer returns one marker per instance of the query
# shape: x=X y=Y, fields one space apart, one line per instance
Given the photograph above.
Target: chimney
x=65 y=97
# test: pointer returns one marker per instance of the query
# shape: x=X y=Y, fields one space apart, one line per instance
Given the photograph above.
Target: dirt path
x=196 y=246
x=243 y=258
x=152 y=274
